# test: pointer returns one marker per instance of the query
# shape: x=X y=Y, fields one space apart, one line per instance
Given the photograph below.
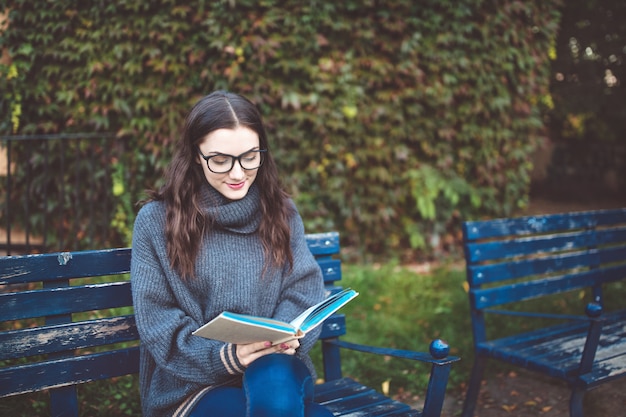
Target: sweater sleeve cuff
x=230 y=360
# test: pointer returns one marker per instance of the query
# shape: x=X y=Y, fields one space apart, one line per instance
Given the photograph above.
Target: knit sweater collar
x=239 y=216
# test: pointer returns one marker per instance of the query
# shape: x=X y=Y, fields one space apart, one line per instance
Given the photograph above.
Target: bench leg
x=576 y=402
x=436 y=390
x=331 y=356
x=474 y=387
x=64 y=402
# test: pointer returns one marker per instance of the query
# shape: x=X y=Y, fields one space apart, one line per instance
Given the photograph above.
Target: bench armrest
x=399 y=353
x=438 y=358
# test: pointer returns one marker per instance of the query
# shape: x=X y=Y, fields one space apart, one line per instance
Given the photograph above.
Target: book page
x=241 y=329
x=316 y=314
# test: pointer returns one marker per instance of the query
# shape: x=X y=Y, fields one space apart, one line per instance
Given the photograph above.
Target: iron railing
x=56 y=190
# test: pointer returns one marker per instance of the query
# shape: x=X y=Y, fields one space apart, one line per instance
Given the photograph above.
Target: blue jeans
x=275 y=385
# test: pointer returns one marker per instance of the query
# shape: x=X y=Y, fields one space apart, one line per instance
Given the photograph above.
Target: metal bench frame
x=76 y=351
x=513 y=260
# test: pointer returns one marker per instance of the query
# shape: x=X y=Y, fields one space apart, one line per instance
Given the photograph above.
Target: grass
x=401 y=308
x=398 y=307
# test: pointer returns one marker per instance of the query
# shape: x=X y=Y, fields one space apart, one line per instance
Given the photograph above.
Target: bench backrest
x=61 y=307
x=517 y=259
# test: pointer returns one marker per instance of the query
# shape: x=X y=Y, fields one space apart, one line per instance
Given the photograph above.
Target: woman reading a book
x=222 y=235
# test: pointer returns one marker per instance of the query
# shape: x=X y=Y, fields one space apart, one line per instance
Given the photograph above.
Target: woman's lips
x=236 y=186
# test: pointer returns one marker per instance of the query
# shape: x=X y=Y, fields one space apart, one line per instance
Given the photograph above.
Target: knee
x=276 y=405
x=277 y=385
x=278 y=369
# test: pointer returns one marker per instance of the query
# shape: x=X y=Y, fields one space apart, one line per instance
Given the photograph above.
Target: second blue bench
x=512 y=261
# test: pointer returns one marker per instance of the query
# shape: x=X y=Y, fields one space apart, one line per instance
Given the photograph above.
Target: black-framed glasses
x=221 y=163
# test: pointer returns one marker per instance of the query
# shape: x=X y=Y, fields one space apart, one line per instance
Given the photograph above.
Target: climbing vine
x=366 y=102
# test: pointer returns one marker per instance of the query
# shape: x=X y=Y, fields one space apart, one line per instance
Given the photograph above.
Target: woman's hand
x=253 y=351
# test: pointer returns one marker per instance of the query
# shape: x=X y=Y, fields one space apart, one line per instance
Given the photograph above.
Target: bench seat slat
x=564 y=363
x=54 y=266
x=323 y=244
x=493 y=250
x=65 y=300
x=490 y=297
x=509 y=248
x=334 y=326
x=542 y=224
x=613 y=325
x=606 y=370
x=511 y=269
x=63 y=337
x=338 y=387
x=346 y=397
x=331 y=269
x=68 y=371
x=557 y=350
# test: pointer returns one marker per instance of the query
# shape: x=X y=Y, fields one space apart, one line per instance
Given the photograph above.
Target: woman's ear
x=199 y=159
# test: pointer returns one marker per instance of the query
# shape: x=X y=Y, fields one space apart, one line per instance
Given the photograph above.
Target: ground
x=519 y=393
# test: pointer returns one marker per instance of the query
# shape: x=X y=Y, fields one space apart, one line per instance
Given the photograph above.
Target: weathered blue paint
x=62 y=339
x=514 y=260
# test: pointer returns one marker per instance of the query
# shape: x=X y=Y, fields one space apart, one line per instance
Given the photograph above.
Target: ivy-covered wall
x=390 y=120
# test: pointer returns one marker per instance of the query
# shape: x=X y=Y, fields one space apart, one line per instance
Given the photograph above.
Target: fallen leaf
x=530 y=403
x=546 y=409
x=509 y=408
x=385 y=387
x=514 y=393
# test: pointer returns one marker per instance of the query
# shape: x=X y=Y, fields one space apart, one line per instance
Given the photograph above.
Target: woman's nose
x=237 y=172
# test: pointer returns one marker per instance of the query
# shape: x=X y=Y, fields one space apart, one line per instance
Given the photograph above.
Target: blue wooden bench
x=511 y=261
x=67 y=347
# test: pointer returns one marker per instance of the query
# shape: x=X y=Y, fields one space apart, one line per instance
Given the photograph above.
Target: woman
x=221 y=235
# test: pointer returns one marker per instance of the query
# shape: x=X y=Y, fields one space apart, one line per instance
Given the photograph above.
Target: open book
x=243 y=329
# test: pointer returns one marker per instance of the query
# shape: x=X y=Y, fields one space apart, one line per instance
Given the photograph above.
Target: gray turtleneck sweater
x=176 y=367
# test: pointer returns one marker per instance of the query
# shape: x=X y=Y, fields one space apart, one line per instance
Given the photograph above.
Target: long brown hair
x=186 y=223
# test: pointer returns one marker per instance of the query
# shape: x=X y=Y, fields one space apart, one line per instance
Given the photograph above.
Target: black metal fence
x=56 y=191
x=587 y=168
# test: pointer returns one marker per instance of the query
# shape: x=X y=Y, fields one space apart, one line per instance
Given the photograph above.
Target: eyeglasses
x=221 y=163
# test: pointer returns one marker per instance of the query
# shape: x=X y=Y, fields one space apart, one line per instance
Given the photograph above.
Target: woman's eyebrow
x=213 y=153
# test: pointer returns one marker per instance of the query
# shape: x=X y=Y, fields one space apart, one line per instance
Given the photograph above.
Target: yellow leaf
x=349 y=112
x=385 y=387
